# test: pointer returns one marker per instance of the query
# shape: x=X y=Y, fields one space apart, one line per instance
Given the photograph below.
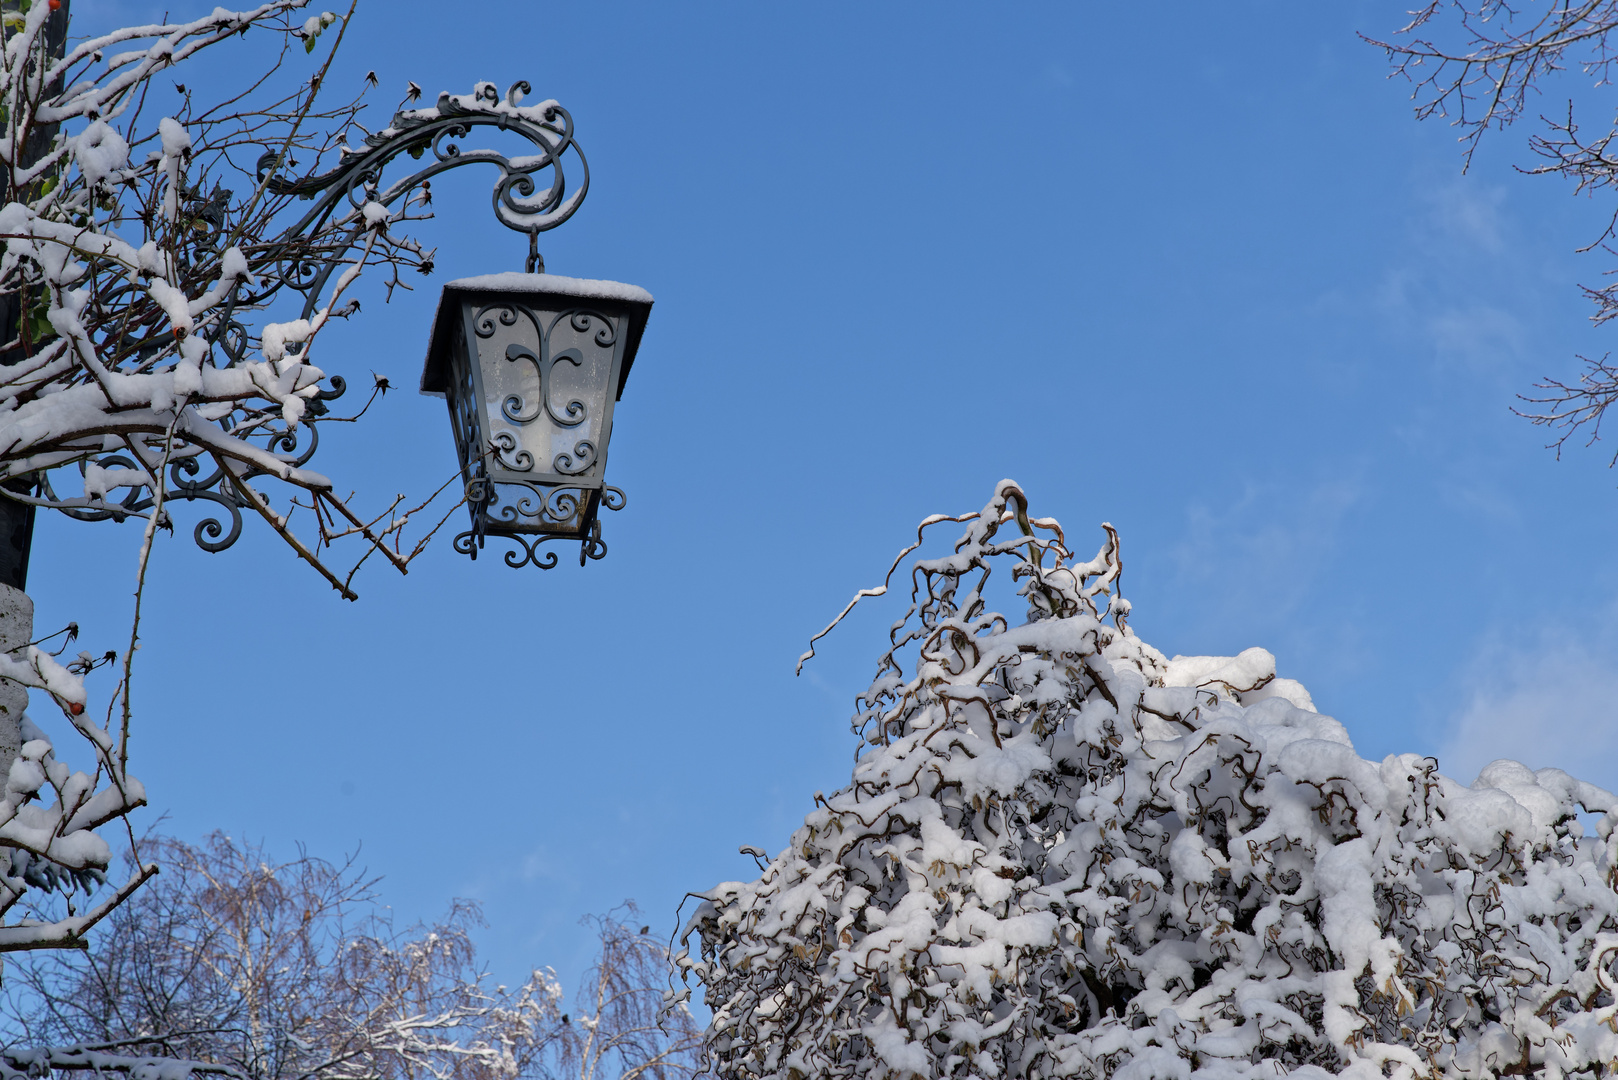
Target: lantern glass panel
x=548 y=373
x=464 y=416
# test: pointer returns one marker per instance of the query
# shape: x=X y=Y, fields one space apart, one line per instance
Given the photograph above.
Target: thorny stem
x=278 y=523
x=379 y=540
x=155 y=518
x=317 y=84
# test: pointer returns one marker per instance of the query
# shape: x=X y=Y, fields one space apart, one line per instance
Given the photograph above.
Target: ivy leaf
x=39 y=323
x=312 y=27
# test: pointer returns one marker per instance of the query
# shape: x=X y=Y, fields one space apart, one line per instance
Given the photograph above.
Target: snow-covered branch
x=49 y=812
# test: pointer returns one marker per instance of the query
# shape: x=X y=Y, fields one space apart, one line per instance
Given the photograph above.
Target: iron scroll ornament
x=358 y=177
x=514 y=201
x=305 y=255
x=527 y=551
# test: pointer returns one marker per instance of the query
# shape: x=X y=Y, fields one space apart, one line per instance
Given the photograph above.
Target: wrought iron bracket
x=523 y=199
x=357 y=179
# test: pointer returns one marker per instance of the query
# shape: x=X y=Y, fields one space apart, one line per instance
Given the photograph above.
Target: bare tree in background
x=1479 y=64
x=619 y=1028
x=232 y=963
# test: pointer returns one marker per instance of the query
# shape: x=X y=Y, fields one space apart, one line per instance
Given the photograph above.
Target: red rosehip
x=73 y=706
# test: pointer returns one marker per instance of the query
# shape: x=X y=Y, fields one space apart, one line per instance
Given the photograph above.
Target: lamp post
x=506 y=348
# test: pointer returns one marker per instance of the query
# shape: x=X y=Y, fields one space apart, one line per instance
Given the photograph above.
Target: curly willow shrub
x=1063 y=855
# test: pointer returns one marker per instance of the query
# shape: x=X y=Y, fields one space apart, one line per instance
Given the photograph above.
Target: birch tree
x=238 y=964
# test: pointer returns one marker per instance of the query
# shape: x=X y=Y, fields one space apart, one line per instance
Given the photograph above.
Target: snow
x=567 y=286
x=176 y=140
x=176 y=149
x=277 y=336
x=1062 y=854
x=1228 y=674
x=102 y=153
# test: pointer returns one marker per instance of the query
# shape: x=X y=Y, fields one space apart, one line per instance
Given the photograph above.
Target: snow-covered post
x=16 y=630
x=17 y=519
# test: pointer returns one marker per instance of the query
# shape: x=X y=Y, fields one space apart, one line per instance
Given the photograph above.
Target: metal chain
x=536 y=261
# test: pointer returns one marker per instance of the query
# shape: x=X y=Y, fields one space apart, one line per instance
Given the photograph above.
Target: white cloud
x=1452 y=285
x=1468 y=211
x=1266 y=544
x=1551 y=703
x=1478 y=339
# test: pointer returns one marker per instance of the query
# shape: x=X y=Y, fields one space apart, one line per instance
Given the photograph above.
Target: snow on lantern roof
x=435 y=373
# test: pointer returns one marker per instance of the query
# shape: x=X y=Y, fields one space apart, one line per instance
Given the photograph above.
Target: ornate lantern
x=531 y=366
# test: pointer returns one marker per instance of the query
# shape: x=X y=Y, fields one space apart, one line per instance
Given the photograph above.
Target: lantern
x=531 y=366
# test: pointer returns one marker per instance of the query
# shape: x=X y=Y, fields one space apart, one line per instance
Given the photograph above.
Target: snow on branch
x=31 y=1064
x=1062 y=854
x=50 y=853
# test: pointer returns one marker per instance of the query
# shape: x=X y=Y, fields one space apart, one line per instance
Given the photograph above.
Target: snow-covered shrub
x=1064 y=855
x=126 y=281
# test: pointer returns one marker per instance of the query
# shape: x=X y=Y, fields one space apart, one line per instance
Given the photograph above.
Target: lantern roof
x=435 y=373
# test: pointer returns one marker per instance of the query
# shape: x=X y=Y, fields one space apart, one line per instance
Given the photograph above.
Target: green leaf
x=39 y=323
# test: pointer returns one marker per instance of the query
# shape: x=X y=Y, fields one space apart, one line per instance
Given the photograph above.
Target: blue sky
x=1198 y=273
